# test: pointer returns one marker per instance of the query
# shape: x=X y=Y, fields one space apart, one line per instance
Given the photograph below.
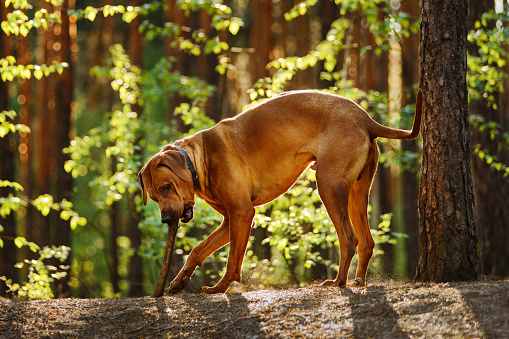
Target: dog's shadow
x=371 y=304
x=224 y=315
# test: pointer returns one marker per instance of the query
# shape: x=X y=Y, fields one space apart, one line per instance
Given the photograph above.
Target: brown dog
x=258 y=155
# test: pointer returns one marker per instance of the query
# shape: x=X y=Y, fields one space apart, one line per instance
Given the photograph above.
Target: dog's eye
x=165 y=189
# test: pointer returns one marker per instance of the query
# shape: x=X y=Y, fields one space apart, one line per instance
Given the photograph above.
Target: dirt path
x=384 y=310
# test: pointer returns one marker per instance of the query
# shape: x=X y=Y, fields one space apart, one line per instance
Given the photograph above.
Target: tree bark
x=447 y=240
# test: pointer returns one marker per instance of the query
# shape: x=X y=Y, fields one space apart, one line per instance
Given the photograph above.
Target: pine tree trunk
x=447 y=241
x=9 y=251
x=410 y=76
x=39 y=230
x=134 y=217
x=64 y=102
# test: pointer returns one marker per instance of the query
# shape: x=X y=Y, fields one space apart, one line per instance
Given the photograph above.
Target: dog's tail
x=376 y=130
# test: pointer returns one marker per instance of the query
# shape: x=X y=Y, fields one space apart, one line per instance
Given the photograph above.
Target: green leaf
x=33 y=247
x=129 y=15
x=38 y=73
x=20 y=242
x=253 y=95
x=91 y=13
x=234 y=27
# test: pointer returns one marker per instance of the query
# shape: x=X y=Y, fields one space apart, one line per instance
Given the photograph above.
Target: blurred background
x=91 y=89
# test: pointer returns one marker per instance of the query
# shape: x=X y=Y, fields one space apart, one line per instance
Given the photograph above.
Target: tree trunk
x=410 y=76
x=8 y=253
x=39 y=231
x=491 y=189
x=64 y=96
x=26 y=154
x=260 y=37
x=134 y=217
x=377 y=79
x=182 y=60
x=447 y=241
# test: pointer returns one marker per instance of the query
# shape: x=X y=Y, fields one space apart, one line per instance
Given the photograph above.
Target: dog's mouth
x=187 y=215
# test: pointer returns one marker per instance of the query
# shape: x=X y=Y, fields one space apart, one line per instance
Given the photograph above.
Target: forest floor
x=477 y=309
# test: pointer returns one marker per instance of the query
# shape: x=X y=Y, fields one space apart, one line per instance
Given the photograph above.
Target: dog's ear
x=140 y=175
x=176 y=162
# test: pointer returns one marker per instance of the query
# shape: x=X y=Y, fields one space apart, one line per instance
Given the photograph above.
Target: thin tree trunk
x=8 y=253
x=303 y=77
x=377 y=79
x=26 y=172
x=176 y=15
x=447 y=241
x=40 y=230
x=134 y=217
x=261 y=40
x=410 y=72
x=260 y=37
x=64 y=97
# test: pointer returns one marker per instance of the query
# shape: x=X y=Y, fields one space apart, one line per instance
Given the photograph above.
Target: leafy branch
x=9 y=70
x=40 y=274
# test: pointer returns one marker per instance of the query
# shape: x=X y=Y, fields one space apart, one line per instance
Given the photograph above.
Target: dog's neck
x=190 y=165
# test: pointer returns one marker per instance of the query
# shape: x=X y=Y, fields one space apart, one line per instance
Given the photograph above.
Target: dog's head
x=168 y=182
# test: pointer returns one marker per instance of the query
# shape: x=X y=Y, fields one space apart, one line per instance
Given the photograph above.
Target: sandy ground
x=382 y=310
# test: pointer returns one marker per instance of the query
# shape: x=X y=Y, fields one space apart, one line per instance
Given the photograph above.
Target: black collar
x=190 y=166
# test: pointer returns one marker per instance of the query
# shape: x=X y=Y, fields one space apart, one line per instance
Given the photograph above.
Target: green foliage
x=162 y=82
x=495 y=133
x=486 y=77
x=9 y=70
x=129 y=13
x=19 y=23
x=44 y=203
x=300 y=9
x=40 y=274
x=485 y=74
x=116 y=139
x=6 y=124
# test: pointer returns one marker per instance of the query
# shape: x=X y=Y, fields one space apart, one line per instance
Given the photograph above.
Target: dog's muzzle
x=187 y=215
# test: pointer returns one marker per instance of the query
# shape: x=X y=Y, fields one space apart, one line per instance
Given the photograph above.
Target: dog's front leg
x=240 y=227
x=214 y=241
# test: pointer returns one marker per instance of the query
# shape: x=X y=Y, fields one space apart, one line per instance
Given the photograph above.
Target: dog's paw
x=357 y=282
x=331 y=283
x=176 y=287
x=212 y=290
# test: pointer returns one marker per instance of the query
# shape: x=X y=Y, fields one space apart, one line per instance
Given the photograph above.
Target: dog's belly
x=275 y=182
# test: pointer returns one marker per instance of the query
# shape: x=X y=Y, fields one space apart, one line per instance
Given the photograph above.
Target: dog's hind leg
x=336 y=172
x=358 y=211
x=335 y=200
